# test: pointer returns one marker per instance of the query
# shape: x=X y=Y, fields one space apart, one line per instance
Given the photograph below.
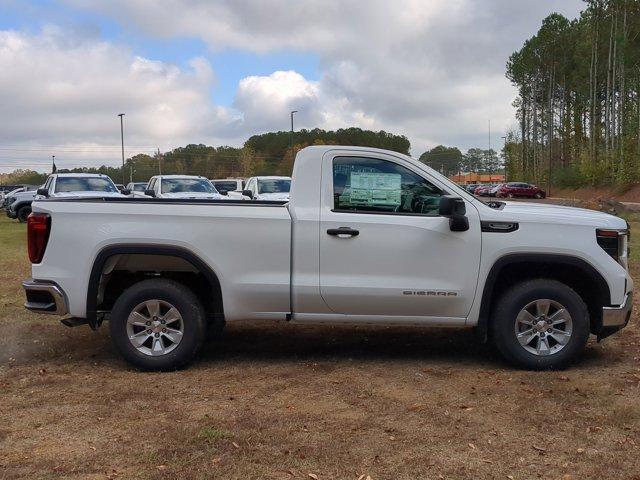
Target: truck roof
x=78 y=175
x=179 y=176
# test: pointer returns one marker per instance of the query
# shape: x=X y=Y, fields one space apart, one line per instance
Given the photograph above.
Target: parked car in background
x=226 y=185
x=493 y=191
x=368 y=236
x=515 y=189
x=267 y=188
x=471 y=188
x=63 y=185
x=20 y=205
x=9 y=197
x=120 y=187
x=136 y=189
x=483 y=190
x=182 y=186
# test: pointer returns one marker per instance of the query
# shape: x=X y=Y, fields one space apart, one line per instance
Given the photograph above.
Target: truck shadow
x=273 y=342
x=281 y=343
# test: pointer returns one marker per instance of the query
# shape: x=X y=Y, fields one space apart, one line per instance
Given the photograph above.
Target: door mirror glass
x=150 y=193
x=247 y=193
x=43 y=192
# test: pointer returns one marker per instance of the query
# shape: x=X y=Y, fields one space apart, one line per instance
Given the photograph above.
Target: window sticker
x=375 y=189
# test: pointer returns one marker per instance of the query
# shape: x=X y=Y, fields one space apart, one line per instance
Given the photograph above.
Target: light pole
x=122 y=143
x=291 y=142
x=505 y=157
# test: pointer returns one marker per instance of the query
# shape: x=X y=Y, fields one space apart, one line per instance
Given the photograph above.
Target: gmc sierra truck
x=368 y=237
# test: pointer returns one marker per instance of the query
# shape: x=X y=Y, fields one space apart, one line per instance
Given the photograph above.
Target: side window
x=373 y=185
x=152 y=184
x=47 y=184
x=252 y=185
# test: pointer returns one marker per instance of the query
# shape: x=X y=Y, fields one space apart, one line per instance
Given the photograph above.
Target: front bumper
x=616 y=317
x=45 y=297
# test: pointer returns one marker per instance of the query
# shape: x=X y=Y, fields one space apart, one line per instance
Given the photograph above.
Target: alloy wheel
x=543 y=327
x=155 y=327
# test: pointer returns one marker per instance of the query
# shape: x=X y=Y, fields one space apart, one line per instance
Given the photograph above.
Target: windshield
x=226 y=186
x=274 y=185
x=187 y=185
x=84 y=184
x=139 y=187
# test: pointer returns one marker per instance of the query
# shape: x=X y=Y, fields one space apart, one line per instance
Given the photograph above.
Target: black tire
x=188 y=306
x=510 y=304
x=538 y=195
x=23 y=213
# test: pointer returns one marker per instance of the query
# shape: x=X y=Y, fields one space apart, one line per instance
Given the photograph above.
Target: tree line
x=269 y=153
x=578 y=104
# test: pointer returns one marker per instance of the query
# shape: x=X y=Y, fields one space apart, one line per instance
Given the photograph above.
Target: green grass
x=211 y=434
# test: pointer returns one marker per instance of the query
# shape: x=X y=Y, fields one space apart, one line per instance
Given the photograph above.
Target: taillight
x=38 y=227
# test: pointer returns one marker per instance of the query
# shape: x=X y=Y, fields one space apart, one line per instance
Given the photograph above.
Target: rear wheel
x=538 y=195
x=23 y=213
x=540 y=324
x=158 y=324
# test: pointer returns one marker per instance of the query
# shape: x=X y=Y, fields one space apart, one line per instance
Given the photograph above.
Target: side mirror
x=150 y=193
x=42 y=192
x=455 y=210
x=125 y=191
x=248 y=193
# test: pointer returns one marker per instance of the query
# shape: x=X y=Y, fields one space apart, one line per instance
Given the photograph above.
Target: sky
x=218 y=71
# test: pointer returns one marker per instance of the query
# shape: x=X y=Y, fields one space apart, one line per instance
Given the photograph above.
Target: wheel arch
x=588 y=282
x=110 y=251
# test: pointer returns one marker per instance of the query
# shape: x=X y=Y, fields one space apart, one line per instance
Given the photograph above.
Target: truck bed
x=247 y=244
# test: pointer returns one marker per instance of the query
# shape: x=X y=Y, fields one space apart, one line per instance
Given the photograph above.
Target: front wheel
x=158 y=324
x=540 y=324
x=23 y=213
x=538 y=195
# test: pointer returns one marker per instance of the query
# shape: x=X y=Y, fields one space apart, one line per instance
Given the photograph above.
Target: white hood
x=557 y=214
x=273 y=196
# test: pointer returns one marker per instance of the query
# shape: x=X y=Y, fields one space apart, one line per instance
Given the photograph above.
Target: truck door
x=384 y=249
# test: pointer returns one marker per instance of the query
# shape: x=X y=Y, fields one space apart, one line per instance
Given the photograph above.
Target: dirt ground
x=275 y=401
x=631 y=194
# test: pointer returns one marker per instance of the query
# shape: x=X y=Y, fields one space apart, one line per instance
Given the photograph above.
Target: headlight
x=615 y=243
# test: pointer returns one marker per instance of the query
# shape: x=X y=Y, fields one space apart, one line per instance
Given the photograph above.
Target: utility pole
x=291 y=141
x=122 y=143
x=505 y=157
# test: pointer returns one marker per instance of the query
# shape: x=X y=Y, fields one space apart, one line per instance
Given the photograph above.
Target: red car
x=514 y=189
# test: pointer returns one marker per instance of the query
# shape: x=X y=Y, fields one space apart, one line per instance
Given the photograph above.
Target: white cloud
x=57 y=89
x=433 y=70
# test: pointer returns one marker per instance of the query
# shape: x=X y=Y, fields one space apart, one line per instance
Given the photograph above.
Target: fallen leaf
x=313 y=475
x=580 y=450
x=235 y=444
x=471 y=445
x=539 y=449
x=161 y=467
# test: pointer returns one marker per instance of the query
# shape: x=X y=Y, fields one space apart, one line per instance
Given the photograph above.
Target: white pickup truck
x=368 y=237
